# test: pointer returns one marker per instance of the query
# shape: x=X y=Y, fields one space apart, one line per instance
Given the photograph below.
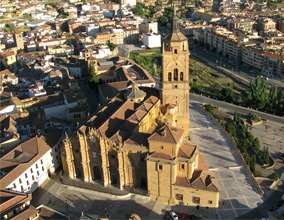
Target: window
x=55 y=149
x=162 y=147
x=196 y=200
x=182 y=166
x=33 y=178
x=42 y=168
x=179 y=197
x=37 y=172
x=20 y=181
x=41 y=161
x=26 y=175
x=22 y=188
x=176 y=51
x=31 y=170
x=175 y=74
x=176 y=86
x=14 y=185
x=160 y=167
x=28 y=183
x=181 y=76
x=210 y=202
x=170 y=76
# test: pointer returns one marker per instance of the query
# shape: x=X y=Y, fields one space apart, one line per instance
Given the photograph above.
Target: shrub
x=209 y=108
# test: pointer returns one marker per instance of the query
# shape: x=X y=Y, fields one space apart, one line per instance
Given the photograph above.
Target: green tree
x=228 y=93
x=163 y=20
x=11 y=26
x=139 y=9
x=111 y=46
x=258 y=95
x=231 y=129
x=276 y=176
x=93 y=78
x=243 y=145
x=235 y=117
x=273 y=97
x=256 y=144
x=209 y=108
x=252 y=164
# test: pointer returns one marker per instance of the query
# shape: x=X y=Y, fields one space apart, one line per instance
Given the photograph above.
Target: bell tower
x=175 y=74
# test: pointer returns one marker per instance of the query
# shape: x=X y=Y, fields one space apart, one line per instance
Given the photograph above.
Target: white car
x=174 y=216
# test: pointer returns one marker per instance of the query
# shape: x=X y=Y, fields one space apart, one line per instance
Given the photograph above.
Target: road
x=237 y=108
x=228 y=66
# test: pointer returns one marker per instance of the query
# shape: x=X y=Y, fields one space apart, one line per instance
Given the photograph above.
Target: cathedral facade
x=139 y=139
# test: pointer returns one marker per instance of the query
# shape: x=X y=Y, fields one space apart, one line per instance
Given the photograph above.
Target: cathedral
x=139 y=139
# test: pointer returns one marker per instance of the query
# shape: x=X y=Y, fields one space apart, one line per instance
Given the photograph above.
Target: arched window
x=176 y=51
x=181 y=76
x=170 y=76
x=175 y=74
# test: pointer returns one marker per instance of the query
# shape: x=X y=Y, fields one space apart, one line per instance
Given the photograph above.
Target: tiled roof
x=160 y=155
x=186 y=151
x=201 y=180
x=168 y=134
x=11 y=200
x=23 y=156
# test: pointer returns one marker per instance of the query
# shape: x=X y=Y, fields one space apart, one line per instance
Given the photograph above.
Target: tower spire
x=175 y=20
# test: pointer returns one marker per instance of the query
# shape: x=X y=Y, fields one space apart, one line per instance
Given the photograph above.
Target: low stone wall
x=260 y=191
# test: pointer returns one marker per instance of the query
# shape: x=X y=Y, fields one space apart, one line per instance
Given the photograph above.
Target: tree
x=111 y=46
x=231 y=129
x=266 y=156
x=200 y=18
x=276 y=176
x=252 y=164
x=273 y=97
x=163 y=20
x=258 y=96
x=235 y=117
x=209 y=108
x=11 y=26
x=228 y=93
x=93 y=78
x=256 y=144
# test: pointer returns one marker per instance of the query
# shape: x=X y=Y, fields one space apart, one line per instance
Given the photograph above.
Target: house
x=8 y=59
x=28 y=165
x=151 y=40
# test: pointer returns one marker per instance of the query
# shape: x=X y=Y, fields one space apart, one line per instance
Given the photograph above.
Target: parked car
x=174 y=216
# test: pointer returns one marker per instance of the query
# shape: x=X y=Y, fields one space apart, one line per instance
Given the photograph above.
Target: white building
x=28 y=165
x=37 y=90
x=92 y=29
x=151 y=40
x=129 y=2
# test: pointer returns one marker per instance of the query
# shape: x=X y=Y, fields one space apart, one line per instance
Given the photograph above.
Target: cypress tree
x=235 y=117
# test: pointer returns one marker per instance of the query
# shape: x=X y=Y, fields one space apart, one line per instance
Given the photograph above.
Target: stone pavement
x=238 y=194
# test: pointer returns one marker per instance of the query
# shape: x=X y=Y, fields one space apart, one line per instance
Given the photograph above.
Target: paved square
x=238 y=194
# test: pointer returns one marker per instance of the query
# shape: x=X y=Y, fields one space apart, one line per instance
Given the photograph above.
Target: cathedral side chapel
x=139 y=139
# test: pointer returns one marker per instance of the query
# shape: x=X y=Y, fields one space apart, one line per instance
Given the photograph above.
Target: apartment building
x=147 y=27
x=242 y=24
